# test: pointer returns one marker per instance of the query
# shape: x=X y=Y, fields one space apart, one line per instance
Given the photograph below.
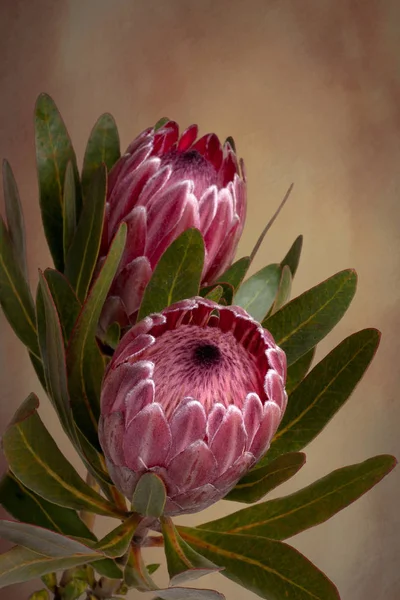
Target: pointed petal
x=214 y=421
x=208 y=208
x=252 y=416
x=147 y=439
x=119 y=382
x=136 y=235
x=228 y=479
x=139 y=397
x=230 y=440
x=124 y=478
x=187 y=138
x=273 y=386
x=187 y=424
x=131 y=282
x=193 y=467
x=267 y=429
x=154 y=186
x=198 y=499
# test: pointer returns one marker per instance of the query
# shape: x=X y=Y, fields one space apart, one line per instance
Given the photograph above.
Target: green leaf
x=149 y=496
x=64 y=297
x=21 y=564
x=35 y=459
x=257 y=294
x=152 y=568
x=85 y=364
x=325 y=389
x=282 y=518
x=298 y=370
x=82 y=256
x=40 y=595
x=284 y=289
x=69 y=208
x=236 y=272
x=215 y=293
x=41 y=540
x=23 y=504
x=74 y=589
x=261 y=480
x=93 y=459
x=117 y=542
x=53 y=358
x=268 y=568
x=184 y=563
x=135 y=574
x=177 y=275
x=292 y=258
x=15 y=295
x=306 y=320
x=160 y=123
x=15 y=218
x=102 y=148
x=53 y=152
x=108 y=568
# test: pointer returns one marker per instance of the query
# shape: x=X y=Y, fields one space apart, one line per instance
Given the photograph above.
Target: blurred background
x=311 y=93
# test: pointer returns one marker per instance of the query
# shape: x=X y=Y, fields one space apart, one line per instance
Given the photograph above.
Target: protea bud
x=163 y=185
x=193 y=394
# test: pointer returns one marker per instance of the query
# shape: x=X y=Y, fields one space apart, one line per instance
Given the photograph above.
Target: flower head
x=193 y=394
x=163 y=185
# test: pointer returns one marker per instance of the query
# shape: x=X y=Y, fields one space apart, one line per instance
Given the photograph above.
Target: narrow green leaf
x=184 y=563
x=292 y=258
x=298 y=370
x=257 y=294
x=152 y=568
x=64 y=297
x=21 y=564
x=108 y=568
x=85 y=364
x=35 y=459
x=223 y=290
x=282 y=518
x=268 y=568
x=82 y=256
x=41 y=540
x=102 y=148
x=161 y=122
x=53 y=152
x=284 y=289
x=38 y=367
x=117 y=542
x=23 y=504
x=270 y=223
x=177 y=275
x=15 y=218
x=93 y=459
x=149 y=496
x=261 y=480
x=53 y=358
x=325 y=389
x=236 y=272
x=40 y=595
x=306 y=320
x=69 y=208
x=135 y=574
x=15 y=295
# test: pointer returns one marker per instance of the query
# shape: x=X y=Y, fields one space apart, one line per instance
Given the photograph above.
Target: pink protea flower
x=195 y=395
x=163 y=185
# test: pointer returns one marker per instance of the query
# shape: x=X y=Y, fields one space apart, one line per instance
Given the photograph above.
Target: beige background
x=310 y=90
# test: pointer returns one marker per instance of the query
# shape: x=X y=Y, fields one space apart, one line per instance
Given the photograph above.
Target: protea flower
x=161 y=186
x=193 y=394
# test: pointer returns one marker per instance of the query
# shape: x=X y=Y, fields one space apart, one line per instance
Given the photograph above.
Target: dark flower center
x=191 y=165
x=207 y=355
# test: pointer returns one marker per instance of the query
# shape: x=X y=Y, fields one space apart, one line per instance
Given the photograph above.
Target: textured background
x=311 y=93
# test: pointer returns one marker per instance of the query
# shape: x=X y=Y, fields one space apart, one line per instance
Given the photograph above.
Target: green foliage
x=257 y=294
x=149 y=496
x=177 y=275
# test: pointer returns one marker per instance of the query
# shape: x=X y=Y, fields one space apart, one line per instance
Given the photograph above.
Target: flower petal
x=214 y=420
x=111 y=435
x=230 y=439
x=228 y=479
x=139 y=397
x=252 y=416
x=274 y=388
x=187 y=424
x=119 y=382
x=147 y=439
x=124 y=478
x=187 y=138
x=267 y=429
x=193 y=467
x=131 y=282
x=198 y=499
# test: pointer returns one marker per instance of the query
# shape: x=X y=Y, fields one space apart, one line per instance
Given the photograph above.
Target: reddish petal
x=221 y=224
x=214 y=151
x=208 y=208
x=275 y=361
x=266 y=431
x=135 y=347
x=147 y=439
x=119 y=382
x=198 y=499
x=187 y=424
x=230 y=440
x=135 y=237
x=252 y=416
x=124 y=479
x=131 y=282
x=187 y=138
x=273 y=386
x=226 y=481
x=214 y=420
x=165 y=138
x=111 y=435
x=201 y=144
x=166 y=213
x=139 y=397
x=141 y=139
x=113 y=311
x=154 y=186
x=193 y=467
